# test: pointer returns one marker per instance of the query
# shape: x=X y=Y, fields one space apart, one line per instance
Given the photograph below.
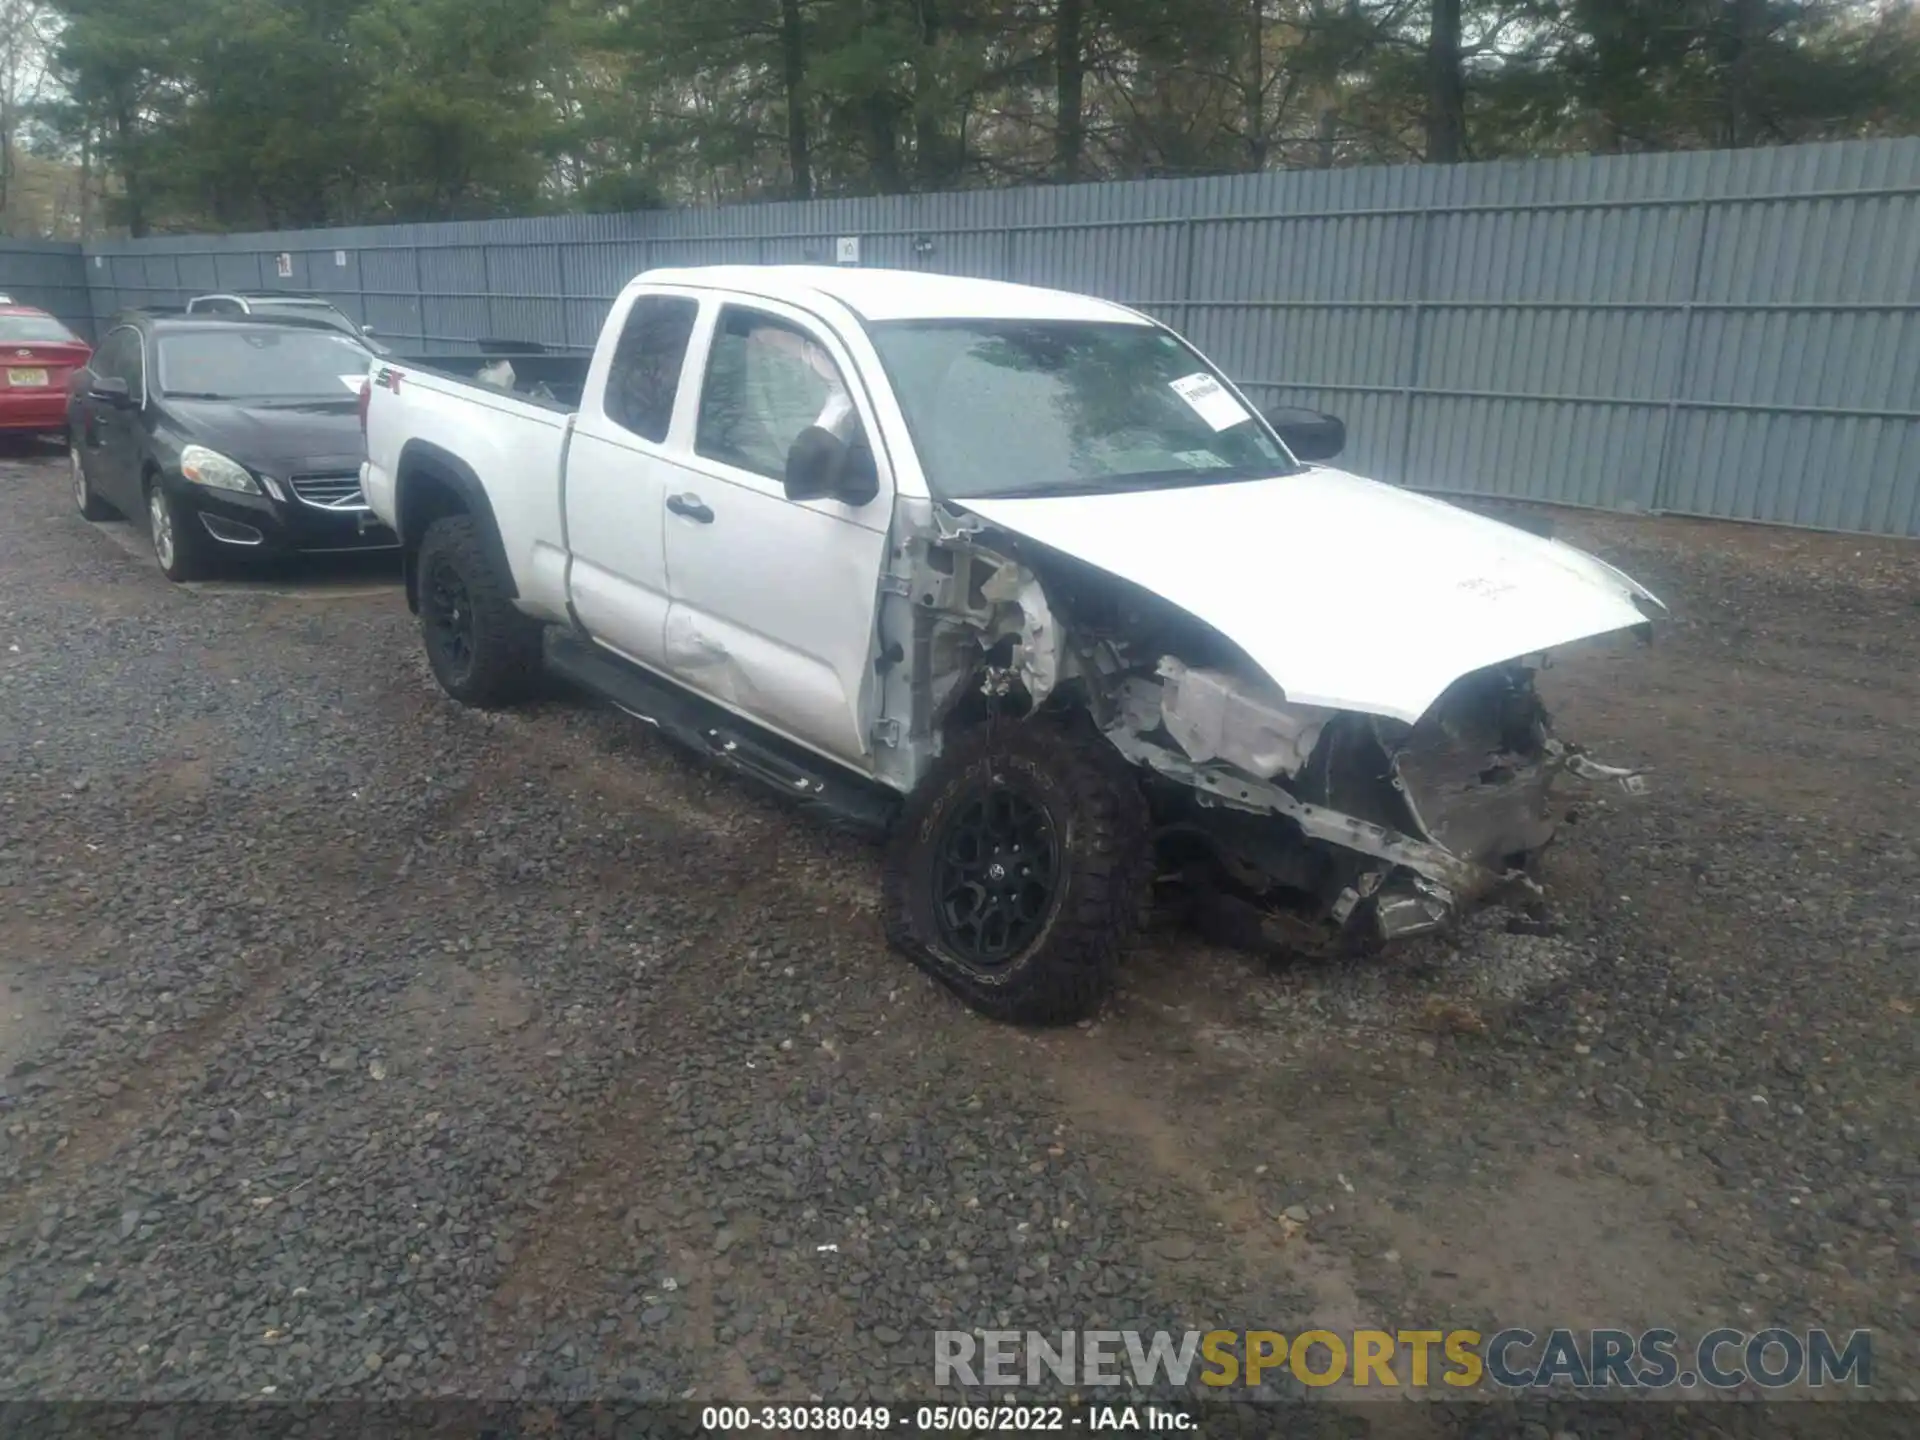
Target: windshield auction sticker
x=1210 y=400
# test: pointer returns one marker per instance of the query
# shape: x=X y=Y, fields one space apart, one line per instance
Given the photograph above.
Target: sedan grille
x=334 y=490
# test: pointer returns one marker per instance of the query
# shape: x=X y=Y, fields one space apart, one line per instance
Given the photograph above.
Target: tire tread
x=1071 y=970
x=507 y=661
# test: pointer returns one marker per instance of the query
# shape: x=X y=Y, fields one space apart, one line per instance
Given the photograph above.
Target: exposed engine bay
x=1297 y=825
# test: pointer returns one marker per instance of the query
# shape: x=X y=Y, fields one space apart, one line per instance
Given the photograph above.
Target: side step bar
x=817 y=785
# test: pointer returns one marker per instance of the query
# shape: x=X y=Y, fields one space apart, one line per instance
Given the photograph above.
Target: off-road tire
x=499 y=662
x=1092 y=801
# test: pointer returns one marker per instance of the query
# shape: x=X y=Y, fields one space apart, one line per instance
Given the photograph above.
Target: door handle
x=691 y=507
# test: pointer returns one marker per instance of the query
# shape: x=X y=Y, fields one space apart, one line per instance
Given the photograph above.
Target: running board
x=817 y=785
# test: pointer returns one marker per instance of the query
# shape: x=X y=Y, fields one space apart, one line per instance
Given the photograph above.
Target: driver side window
x=119 y=359
x=768 y=380
x=136 y=365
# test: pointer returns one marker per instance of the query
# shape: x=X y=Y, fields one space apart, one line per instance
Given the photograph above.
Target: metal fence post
x=419 y=296
x=1186 y=297
x=486 y=284
x=1657 y=492
x=1421 y=264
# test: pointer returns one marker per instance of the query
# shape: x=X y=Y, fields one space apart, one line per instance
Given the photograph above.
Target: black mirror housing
x=1309 y=434
x=111 y=389
x=822 y=466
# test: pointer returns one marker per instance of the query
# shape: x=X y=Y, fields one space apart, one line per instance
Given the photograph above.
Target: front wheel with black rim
x=90 y=505
x=1015 y=872
x=483 y=651
x=179 y=547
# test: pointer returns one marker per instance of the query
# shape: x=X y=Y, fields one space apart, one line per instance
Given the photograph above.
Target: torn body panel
x=1350 y=825
x=1476 y=771
x=963 y=625
x=1216 y=716
x=1382 y=830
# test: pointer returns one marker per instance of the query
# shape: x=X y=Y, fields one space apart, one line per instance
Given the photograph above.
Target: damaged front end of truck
x=1297 y=828
x=1278 y=824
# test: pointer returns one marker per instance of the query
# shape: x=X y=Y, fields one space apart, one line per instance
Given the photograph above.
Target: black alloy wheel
x=482 y=649
x=1015 y=871
x=994 y=878
x=446 y=617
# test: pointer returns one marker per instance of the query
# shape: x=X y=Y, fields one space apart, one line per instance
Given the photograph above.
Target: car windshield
x=1006 y=408
x=260 y=364
x=27 y=329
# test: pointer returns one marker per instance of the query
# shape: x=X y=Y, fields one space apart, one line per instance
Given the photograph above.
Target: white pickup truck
x=1016 y=578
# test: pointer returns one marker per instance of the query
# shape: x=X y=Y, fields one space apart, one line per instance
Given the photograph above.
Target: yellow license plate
x=26 y=377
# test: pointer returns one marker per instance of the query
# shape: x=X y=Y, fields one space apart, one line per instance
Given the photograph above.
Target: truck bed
x=554 y=382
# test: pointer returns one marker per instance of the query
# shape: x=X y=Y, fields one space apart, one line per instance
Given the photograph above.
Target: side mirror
x=822 y=466
x=110 y=390
x=1309 y=434
x=367 y=330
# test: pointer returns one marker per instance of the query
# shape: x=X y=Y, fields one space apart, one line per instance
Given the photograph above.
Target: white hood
x=1350 y=593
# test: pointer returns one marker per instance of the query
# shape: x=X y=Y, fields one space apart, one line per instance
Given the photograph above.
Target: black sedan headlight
x=207 y=467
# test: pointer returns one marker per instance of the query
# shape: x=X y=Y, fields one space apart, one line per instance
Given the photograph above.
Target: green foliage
x=282 y=113
x=452 y=123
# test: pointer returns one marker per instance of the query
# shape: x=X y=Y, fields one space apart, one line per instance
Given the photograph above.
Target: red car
x=38 y=358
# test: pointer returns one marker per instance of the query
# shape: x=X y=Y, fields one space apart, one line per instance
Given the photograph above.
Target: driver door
x=108 y=433
x=771 y=601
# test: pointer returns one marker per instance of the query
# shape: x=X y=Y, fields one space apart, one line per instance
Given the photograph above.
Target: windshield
x=27 y=329
x=1014 y=407
x=260 y=365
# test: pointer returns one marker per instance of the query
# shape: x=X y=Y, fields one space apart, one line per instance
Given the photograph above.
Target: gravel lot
x=356 y=1044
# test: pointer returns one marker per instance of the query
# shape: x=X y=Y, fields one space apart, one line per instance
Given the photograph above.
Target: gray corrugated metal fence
x=48 y=274
x=1733 y=334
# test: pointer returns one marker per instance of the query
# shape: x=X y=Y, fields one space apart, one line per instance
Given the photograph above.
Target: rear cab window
x=311 y=309
x=643 y=379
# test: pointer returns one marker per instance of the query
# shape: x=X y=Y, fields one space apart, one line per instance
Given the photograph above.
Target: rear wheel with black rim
x=90 y=505
x=483 y=651
x=179 y=545
x=1015 y=873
